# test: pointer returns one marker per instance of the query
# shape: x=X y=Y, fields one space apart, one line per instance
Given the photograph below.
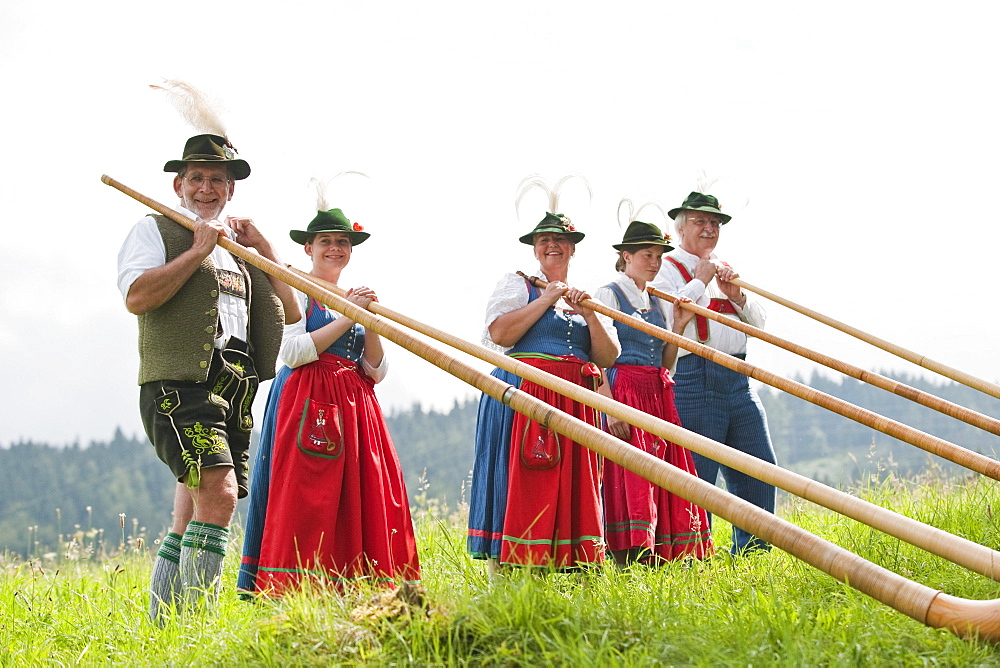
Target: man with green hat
x=209 y=330
x=712 y=400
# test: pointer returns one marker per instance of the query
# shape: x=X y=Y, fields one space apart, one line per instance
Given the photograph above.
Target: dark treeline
x=838 y=451
x=436 y=451
x=79 y=492
x=51 y=496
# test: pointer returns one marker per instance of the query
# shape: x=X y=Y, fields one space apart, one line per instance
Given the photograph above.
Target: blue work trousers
x=719 y=403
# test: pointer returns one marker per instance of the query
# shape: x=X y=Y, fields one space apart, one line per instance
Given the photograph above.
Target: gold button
x=210 y=329
x=207 y=347
x=214 y=312
x=203 y=364
x=214 y=293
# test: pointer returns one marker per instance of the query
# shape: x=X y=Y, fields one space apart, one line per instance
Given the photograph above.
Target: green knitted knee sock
x=203 y=549
x=164 y=586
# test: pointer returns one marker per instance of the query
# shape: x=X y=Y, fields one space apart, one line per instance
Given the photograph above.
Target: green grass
x=766 y=609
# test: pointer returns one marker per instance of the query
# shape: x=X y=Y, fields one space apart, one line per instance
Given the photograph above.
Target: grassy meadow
x=68 y=608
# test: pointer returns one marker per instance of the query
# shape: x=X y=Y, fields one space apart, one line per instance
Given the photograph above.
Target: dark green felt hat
x=639 y=233
x=333 y=220
x=553 y=222
x=210 y=148
x=701 y=202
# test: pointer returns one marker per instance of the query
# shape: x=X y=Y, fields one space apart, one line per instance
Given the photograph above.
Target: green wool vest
x=176 y=339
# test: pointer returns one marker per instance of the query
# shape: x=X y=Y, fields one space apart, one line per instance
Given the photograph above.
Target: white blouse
x=511 y=293
x=639 y=299
x=298 y=347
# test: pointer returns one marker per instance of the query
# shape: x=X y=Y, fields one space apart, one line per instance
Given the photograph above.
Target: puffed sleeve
x=297 y=346
x=376 y=373
x=607 y=297
x=510 y=294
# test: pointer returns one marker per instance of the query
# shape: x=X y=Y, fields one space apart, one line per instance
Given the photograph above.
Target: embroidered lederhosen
x=195 y=425
x=723 y=306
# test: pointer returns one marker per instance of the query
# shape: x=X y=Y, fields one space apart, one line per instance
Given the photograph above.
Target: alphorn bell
x=962 y=413
x=962 y=616
x=968 y=379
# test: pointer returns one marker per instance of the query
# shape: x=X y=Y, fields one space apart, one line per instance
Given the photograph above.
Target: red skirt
x=553 y=516
x=637 y=513
x=337 y=507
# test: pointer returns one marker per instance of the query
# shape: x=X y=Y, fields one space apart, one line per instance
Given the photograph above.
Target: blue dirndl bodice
x=350 y=345
x=556 y=332
x=638 y=347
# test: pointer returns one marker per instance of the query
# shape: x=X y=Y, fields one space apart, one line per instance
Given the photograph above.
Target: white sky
x=863 y=133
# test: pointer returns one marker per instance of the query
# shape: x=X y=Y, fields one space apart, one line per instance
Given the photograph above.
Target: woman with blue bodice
x=644 y=522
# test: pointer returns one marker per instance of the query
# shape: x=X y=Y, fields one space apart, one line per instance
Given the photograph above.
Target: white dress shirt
x=143 y=249
x=722 y=338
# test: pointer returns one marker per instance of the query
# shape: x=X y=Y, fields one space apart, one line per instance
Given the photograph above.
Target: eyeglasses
x=701 y=222
x=199 y=180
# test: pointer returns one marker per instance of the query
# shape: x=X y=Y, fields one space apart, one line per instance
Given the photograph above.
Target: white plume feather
x=194 y=106
x=631 y=209
x=525 y=186
x=731 y=191
x=551 y=192
x=657 y=205
x=703 y=184
x=557 y=189
x=322 y=188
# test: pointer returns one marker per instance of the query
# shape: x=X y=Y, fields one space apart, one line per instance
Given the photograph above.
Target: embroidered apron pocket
x=540 y=447
x=321 y=430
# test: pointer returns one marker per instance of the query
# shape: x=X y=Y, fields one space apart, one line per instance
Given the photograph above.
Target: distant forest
x=76 y=494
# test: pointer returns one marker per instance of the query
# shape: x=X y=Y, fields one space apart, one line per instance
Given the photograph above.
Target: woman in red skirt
x=535 y=494
x=644 y=522
x=327 y=499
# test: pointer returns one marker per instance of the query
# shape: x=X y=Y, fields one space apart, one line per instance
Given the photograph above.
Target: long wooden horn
x=949 y=408
x=938 y=446
x=960 y=551
x=965 y=553
x=989 y=388
x=964 y=617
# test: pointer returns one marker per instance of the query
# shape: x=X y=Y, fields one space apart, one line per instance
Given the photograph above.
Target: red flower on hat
x=666 y=237
x=357 y=227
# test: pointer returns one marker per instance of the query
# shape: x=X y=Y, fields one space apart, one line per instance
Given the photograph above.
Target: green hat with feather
x=639 y=233
x=210 y=148
x=701 y=202
x=333 y=220
x=556 y=223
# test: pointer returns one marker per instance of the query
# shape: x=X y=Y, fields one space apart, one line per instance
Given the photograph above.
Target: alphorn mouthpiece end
x=531 y=279
x=105 y=179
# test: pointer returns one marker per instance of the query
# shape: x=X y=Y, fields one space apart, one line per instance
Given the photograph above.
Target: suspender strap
x=718 y=305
